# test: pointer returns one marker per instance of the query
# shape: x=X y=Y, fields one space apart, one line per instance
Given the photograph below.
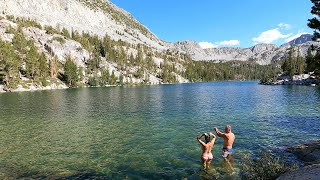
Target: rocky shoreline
x=308 y=153
x=304 y=82
x=21 y=88
x=302 y=79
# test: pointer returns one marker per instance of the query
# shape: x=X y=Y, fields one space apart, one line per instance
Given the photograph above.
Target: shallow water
x=147 y=132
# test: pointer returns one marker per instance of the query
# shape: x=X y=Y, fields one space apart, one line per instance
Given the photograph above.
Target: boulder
x=309 y=153
x=311 y=172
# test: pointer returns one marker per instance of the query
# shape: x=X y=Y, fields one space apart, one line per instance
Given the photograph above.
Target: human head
x=227 y=129
x=207 y=138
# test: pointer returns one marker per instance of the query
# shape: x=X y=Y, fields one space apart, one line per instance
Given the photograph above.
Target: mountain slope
x=300 y=40
x=93 y=16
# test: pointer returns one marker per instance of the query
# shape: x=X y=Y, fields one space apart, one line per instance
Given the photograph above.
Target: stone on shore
x=309 y=153
x=311 y=172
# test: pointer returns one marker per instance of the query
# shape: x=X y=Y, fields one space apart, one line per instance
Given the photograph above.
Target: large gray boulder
x=311 y=172
x=309 y=153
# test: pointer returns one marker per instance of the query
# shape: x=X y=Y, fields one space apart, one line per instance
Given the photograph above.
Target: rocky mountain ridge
x=300 y=40
x=261 y=53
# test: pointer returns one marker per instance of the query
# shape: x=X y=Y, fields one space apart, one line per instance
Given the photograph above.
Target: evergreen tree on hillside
x=43 y=66
x=71 y=72
x=9 y=65
x=300 y=64
x=19 y=41
x=65 y=33
x=310 y=61
x=314 y=23
x=292 y=63
x=32 y=62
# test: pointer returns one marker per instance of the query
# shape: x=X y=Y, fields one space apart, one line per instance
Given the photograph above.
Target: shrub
x=11 y=18
x=265 y=166
x=28 y=23
x=93 y=81
x=59 y=39
x=51 y=30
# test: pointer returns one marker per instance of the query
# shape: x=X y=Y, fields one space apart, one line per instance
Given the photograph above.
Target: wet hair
x=227 y=129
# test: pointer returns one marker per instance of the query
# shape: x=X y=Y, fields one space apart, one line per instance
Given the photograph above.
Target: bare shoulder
x=230 y=135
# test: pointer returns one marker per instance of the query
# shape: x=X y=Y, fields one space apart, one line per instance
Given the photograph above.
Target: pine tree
x=314 y=23
x=65 y=32
x=105 y=77
x=9 y=64
x=292 y=63
x=32 y=61
x=300 y=64
x=43 y=67
x=113 y=79
x=19 y=41
x=310 y=61
x=71 y=72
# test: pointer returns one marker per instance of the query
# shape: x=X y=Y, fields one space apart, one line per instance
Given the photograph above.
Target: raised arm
x=219 y=133
x=199 y=139
x=213 y=138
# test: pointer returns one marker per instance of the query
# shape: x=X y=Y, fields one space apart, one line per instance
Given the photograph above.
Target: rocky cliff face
x=300 y=40
x=93 y=16
x=261 y=53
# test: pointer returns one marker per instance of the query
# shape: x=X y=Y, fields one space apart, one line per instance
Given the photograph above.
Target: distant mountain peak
x=300 y=40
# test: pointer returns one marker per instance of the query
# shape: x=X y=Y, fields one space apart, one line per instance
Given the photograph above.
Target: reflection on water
x=149 y=131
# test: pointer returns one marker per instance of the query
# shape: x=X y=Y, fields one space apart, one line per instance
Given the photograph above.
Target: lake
x=147 y=132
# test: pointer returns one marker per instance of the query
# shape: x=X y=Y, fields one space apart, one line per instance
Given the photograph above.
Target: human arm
x=213 y=138
x=199 y=139
x=219 y=133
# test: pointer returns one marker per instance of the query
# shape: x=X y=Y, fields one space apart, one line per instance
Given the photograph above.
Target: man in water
x=228 y=137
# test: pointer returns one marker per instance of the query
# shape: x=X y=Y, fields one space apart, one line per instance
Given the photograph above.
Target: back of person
x=229 y=140
x=206 y=155
x=207 y=148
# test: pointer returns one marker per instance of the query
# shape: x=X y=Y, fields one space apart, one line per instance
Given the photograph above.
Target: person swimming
x=207 y=146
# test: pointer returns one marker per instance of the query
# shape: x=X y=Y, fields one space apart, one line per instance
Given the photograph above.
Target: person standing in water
x=207 y=146
x=229 y=138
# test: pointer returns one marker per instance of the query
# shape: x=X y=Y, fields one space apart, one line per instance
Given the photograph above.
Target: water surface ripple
x=147 y=132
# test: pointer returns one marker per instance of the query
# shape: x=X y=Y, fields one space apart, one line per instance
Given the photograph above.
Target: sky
x=223 y=23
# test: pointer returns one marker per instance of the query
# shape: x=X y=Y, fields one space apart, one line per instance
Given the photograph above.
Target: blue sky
x=217 y=23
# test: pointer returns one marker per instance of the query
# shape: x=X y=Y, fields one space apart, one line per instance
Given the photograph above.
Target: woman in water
x=206 y=155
